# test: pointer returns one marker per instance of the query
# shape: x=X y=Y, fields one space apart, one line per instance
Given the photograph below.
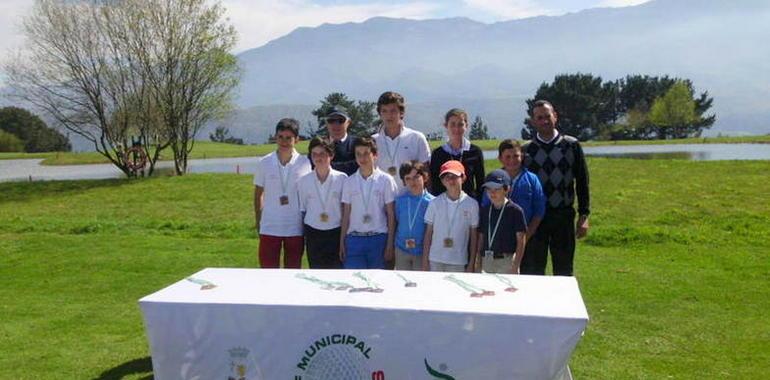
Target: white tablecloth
x=312 y=324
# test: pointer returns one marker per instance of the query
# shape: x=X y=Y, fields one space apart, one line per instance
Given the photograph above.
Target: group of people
x=387 y=201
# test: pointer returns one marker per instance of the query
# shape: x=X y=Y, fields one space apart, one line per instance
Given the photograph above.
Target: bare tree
x=182 y=46
x=113 y=70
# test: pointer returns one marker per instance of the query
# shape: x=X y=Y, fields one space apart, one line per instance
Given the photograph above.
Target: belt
x=371 y=233
x=501 y=255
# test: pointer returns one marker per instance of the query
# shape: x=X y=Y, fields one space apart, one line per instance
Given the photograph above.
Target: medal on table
x=367 y=219
x=324 y=217
x=392 y=171
x=411 y=243
x=284 y=200
x=449 y=243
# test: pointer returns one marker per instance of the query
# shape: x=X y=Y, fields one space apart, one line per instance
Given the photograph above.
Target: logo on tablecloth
x=337 y=357
x=435 y=373
x=238 y=366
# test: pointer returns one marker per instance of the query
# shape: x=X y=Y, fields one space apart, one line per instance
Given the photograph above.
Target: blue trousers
x=365 y=252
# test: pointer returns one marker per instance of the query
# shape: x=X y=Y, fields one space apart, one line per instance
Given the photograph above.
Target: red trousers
x=270 y=251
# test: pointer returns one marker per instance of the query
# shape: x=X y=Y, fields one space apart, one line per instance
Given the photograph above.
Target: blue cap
x=497 y=179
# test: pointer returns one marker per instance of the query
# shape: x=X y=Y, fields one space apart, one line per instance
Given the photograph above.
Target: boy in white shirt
x=276 y=204
x=397 y=143
x=451 y=220
x=368 y=217
x=320 y=194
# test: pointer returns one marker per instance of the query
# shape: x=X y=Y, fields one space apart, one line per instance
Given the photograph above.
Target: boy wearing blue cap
x=502 y=227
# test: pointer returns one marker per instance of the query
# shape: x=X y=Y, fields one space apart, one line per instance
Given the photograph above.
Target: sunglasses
x=335 y=120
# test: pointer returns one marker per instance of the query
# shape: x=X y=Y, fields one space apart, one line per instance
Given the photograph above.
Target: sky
x=259 y=21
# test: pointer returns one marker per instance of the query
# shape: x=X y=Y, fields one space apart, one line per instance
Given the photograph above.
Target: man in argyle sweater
x=559 y=162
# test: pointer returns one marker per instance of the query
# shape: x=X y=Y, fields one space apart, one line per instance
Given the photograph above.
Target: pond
x=25 y=170
x=695 y=152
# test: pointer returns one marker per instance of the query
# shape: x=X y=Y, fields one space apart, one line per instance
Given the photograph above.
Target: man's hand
x=581 y=227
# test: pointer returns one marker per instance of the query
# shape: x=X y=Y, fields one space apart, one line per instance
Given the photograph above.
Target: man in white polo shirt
x=320 y=194
x=368 y=216
x=276 y=203
x=397 y=143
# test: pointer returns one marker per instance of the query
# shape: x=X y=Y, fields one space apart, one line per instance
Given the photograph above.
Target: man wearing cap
x=559 y=162
x=451 y=219
x=337 y=123
x=502 y=227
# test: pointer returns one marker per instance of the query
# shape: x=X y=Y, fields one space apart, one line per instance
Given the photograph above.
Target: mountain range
x=490 y=69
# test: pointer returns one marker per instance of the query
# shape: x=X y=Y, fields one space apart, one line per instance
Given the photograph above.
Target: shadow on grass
x=133 y=367
x=24 y=191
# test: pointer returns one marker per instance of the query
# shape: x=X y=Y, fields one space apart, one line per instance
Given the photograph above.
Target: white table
x=308 y=324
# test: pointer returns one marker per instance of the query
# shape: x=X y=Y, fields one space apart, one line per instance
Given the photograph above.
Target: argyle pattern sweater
x=562 y=170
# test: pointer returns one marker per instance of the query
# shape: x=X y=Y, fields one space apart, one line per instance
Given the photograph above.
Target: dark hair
x=288 y=124
x=508 y=144
x=540 y=103
x=408 y=166
x=323 y=142
x=390 y=97
x=367 y=142
x=456 y=112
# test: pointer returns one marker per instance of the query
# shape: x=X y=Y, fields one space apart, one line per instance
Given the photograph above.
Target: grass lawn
x=207 y=149
x=674 y=273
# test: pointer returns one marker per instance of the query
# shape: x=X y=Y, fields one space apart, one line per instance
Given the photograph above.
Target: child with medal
x=276 y=205
x=451 y=219
x=396 y=142
x=502 y=227
x=320 y=194
x=368 y=216
x=410 y=215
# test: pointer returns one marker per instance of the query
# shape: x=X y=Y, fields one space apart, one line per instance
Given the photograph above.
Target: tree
x=588 y=108
x=10 y=143
x=639 y=92
x=478 y=129
x=111 y=71
x=674 y=113
x=584 y=104
x=222 y=134
x=34 y=134
x=363 y=115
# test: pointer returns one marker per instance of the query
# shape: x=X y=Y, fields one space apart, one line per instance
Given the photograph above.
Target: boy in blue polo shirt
x=525 y=190
x=410 y=215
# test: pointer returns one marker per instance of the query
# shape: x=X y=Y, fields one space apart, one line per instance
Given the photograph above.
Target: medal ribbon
x=323 y=200
x=284 y=177
x=454 y=215
x=491 y=237
x=413 y=218
x=366 y=197
x=392 y=157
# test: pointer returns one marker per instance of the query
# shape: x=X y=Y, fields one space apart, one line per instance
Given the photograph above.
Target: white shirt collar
x=555 y=135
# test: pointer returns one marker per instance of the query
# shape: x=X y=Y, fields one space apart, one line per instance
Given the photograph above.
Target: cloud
x=260 y=21
x=620 y=3
x=11 y=14
x=509 y=9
